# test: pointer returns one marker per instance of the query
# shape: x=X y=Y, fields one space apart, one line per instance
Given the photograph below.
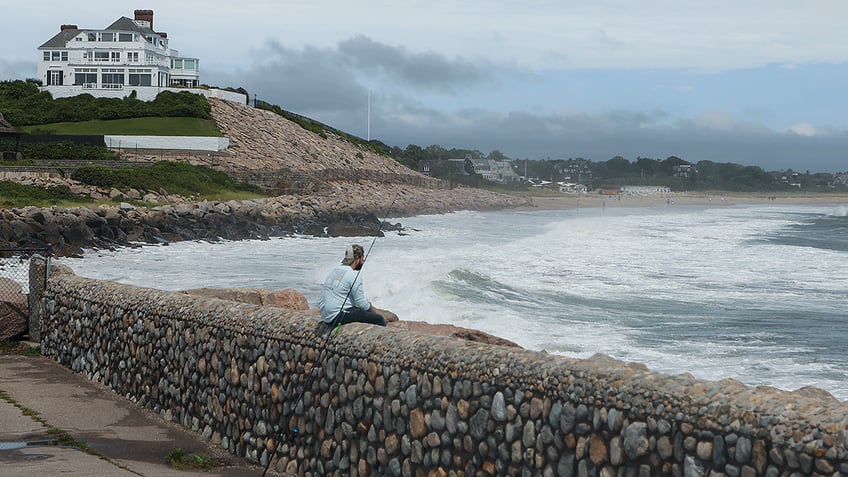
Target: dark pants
x=355 y=315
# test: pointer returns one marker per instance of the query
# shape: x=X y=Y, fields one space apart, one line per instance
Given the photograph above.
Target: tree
x=497 y=156
x=618 y=167
x=647 y=167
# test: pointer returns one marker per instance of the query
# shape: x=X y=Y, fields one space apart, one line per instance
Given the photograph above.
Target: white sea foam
x=707 y=291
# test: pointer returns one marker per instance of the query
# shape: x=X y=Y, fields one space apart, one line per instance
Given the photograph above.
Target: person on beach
x=342 y=297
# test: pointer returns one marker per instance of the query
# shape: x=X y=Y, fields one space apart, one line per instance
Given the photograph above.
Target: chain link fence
x=14 y=290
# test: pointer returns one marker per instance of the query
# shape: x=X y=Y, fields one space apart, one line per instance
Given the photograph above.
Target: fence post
x=38 y=269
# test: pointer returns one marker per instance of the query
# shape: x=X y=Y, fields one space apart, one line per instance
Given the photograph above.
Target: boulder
x=14 y=310
x=287 y=298
x=355 y=225
x=453 y=331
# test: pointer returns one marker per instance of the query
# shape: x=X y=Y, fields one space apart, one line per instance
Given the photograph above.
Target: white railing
x=112 y=86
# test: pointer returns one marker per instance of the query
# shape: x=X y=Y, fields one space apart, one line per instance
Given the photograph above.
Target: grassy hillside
x=134 y=126
x=175 y=177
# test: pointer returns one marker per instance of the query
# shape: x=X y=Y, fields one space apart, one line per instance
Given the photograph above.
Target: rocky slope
x=262 y=140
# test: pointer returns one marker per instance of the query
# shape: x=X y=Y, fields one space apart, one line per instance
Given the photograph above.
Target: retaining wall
x=192 y=143
x=144 y=93
x=392 y=402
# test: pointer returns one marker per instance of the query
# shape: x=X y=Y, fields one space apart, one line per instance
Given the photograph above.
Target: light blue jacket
x=342 y=286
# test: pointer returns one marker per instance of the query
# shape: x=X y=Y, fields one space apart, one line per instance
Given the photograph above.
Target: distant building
x=495 y=171
x=127 y=55
x=572 y=188
x=576 y=169
x=442 y=167
x=840 y=179
x=645 y=191
x=684 y=170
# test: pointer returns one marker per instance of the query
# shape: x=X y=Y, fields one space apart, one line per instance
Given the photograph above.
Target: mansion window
x=55 y=56
x=85 y=77
x=132 y=56
x=140 y=77
x=108 y=36
x=111 y=79
x=184 y=64
x=101 y=56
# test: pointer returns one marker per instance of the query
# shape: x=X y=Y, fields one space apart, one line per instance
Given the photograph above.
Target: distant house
x=426 y=166
x=576 y=169
x=495 y=171
x=572 y=188
x=684 y=170
x=840 y=179
x=442 y=167
x=127 y=55
x=645 y=191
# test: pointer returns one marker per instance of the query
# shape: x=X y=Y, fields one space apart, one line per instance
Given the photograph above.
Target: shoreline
x=673 y=199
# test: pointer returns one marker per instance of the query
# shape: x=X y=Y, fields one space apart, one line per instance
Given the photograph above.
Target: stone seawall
x=392 y=402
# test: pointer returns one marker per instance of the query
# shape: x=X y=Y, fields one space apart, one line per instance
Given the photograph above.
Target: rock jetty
x=351 y=211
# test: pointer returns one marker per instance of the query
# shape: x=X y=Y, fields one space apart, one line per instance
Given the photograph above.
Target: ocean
x=753 y=293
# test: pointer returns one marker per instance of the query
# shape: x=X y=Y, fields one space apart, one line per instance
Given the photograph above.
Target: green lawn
x=132 y=127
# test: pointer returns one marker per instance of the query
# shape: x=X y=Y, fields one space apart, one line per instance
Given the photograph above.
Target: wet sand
x=675 y=199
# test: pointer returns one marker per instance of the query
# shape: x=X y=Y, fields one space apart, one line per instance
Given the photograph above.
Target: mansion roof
x=61 y=39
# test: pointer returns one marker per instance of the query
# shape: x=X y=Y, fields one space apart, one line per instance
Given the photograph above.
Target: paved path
x=130 y=441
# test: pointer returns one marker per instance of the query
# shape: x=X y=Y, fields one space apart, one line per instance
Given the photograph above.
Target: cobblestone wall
x=389 y=402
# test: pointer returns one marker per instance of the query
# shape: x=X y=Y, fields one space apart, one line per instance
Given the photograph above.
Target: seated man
x=342 y=297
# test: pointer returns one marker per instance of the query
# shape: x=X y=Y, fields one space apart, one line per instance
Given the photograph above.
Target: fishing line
x=334 y=327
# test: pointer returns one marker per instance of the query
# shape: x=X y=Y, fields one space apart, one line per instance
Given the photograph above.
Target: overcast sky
x=756 y=82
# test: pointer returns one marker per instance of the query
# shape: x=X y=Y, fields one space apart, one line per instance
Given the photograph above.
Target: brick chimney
x=68 y=27
x=145 y=15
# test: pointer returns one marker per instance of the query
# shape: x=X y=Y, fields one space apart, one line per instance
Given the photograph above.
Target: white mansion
x=128 y=55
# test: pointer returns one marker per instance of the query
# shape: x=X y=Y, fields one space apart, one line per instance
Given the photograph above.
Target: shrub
x=13 y=194
x=175 y=177
x=23 y=104
x=62 y=150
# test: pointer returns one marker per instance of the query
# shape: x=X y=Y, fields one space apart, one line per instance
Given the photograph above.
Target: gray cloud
x=327 y=82
x=600 y=137
x=325 y=85
x=421 y=70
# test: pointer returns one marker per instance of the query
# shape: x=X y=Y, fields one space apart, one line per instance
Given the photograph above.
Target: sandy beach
x=675 y=199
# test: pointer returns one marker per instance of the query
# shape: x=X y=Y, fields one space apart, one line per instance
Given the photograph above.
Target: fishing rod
x=334 y=326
